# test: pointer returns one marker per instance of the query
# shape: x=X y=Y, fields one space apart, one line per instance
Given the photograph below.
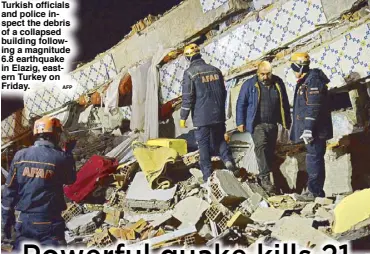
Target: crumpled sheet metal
x=153 y=161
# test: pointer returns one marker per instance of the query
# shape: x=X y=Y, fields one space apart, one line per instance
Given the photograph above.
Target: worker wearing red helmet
x=34 y=187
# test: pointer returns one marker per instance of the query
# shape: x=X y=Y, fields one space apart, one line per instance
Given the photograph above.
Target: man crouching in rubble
x=204 y=94
x=34 y=187
x=312 y=121
x=262 y=104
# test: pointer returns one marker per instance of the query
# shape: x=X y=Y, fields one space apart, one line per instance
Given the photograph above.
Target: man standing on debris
x=262 y=103
x=204 y=95
x=34 y=187
x=312 y=120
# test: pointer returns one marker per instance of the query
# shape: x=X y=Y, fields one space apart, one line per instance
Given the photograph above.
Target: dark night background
x=102 y=24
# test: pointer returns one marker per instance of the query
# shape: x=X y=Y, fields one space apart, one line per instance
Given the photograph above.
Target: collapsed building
x=129 y=96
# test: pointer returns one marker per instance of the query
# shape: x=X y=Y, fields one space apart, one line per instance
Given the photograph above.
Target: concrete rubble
x=237 y=211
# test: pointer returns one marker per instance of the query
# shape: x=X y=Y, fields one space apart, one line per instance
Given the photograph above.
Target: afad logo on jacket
x=37 y=173
x=209 y=78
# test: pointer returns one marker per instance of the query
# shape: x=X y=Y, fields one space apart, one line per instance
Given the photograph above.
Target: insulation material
x=153 y=162
x=94 y=75
x=111 y=94
x=84 y=116
x=352 y=210
x=208 y=5
x=151 y=103
x=139 y=77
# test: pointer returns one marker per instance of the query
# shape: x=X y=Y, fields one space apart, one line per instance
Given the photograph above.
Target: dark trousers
x=44 y=229
x=315 y=165
x=264 y=138
x=211 y=138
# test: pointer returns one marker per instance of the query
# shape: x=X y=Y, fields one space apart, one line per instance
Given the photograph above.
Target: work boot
x=267 y=185
x=305 y=197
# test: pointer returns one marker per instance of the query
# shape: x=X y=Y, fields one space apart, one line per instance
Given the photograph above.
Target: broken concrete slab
x=226 y=188
x=299 y=229
x=324 y=214
x=197 y=173
x=166 y=237
x=309 y=209
x=323 y=201
x=135 y=216
x=333 y=10
x=80 y=220
x=190 y=210
x=338 y=174
x=267 y=215
x=174 y=27
x=140 y=195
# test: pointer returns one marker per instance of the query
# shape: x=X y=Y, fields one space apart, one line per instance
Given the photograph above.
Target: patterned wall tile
x=94 y=75
x=171 y=75
x=347 y=55
x=44 y=99
x=249 y=41
x=208 y=5
x=126 y=112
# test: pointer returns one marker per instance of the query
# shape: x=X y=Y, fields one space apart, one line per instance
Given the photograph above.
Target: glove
x=183 y=124
x=241 y=128
x=307 y=136
x=69 y=145
x=227 y=137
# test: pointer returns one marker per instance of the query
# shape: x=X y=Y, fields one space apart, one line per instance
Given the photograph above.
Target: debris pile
x=188 y=211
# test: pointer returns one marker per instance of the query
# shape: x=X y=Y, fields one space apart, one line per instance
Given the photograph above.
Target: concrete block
x=338 y=172
x=176 y=26
x=140 y=195
x=333 y=9
x=267 y=215
x=324 y=214
x=190 y=210
x=300 y=230
x=226 y=189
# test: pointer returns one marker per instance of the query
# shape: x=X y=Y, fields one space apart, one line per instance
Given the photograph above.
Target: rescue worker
x=261 y=105
x=311 y=120
x=34 y=187
x=204 y=95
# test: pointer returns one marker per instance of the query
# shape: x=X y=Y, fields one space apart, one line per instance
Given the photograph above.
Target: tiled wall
x=250 y=41
x=94 y=75
x=348 y=54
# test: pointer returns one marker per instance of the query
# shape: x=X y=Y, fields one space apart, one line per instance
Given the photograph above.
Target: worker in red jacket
x=34 y=187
